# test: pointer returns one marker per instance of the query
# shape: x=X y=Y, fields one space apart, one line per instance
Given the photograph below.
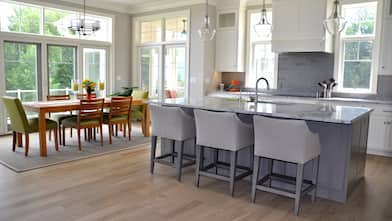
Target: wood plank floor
x=119 y=187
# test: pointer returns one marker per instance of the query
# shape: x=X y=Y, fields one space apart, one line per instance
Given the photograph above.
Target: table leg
x=19 y=139
x=146 y=120
x=42 y=133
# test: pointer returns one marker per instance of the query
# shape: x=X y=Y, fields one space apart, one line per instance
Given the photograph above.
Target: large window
x=357 y=46
x=61 y=68
x=162 y=55
x=261 y=60
x=32 y=19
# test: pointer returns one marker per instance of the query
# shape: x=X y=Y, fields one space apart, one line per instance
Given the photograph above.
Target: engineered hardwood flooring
x=119 y=187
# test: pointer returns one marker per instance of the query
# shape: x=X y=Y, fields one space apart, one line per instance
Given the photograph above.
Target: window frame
x=250 y=51
x=339 y=47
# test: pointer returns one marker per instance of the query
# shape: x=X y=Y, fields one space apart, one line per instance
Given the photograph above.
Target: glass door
x=149 y=65
x=61 y=68
x=95 y=67
x=175 y=72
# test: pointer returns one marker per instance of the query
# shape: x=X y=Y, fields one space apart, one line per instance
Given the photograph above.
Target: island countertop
x=328 y=113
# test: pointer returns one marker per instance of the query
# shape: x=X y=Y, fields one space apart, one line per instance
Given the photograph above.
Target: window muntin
x=357 y=48
x=262 y=60
x=33 y=19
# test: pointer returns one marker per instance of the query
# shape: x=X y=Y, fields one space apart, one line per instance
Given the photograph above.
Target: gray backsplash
x=299 y=73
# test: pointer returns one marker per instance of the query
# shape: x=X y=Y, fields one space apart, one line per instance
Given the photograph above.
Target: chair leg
x=198 y=165
x=95 y=133
x=298 y=188
x=70 y=132
x=129 y=130
x=13 y=141
x=316 y=162
x=79 y=143
x=64 y=135
x=56 y=139
x=233 y=163
x=100 y=135
x=27 y=144
x=180 y=153
x=59 y=129
x=124 y=129
x=255 y=176
x=85 y=135
x=116 y=130
x=153 y=150
x=19 y=139
x=50 y=135
x=110 y=133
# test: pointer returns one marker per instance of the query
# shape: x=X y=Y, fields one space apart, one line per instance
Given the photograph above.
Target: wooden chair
x=59 y=117
x=84 y=96
x=21 y=125
x=120 y=114
x=90 y=115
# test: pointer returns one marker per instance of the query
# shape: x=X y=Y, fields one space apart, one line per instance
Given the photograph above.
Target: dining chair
x=59 y=117
x=21 y=125
x=84 y=96
x=90 y=115
x=119 y=114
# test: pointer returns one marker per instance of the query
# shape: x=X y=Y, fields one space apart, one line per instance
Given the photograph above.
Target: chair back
x=17 y=114
x=223 y=130
x=58 y=97
x=91 y=110
x=285 y=139
x=120 y=106
x=84 y=96
x=171 y=123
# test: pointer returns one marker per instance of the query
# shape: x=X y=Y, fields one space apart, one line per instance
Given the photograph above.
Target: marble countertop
x=328 y=113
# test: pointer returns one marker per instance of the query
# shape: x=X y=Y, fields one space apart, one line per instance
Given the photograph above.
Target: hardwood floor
x=119 y=187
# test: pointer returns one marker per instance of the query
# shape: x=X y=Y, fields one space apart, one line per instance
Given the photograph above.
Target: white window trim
x=162 y=45
x=250 y=52
x=338 y=69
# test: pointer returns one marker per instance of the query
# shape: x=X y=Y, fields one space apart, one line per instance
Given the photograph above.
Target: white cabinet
x=386 y=48
x=380 y=134
x=298 y=26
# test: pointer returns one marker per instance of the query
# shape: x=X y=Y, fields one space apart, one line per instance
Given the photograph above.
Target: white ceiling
x=137 y=6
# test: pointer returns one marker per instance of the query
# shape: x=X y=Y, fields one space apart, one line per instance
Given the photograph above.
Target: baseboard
x=379 y=152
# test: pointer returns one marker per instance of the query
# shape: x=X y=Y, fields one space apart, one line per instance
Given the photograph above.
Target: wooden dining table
x=45 y=107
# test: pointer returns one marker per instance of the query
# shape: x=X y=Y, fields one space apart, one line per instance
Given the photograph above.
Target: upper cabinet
x=230 y=36
x=298 y=26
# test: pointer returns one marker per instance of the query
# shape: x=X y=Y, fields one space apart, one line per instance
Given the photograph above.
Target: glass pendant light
x=207 y=33
x=84 y=26
x=263 y=28
x=335 y=23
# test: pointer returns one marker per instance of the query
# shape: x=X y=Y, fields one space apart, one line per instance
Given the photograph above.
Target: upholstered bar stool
x=174 y=124
x=288 y=141
x=222 y=131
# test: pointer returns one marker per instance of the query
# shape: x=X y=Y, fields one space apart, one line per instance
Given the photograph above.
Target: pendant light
x=84 y=26
x=184 y=27
x=263 y=28
x=335 y=23
x=207 y=33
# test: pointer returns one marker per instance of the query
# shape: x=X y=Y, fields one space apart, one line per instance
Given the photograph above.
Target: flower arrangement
x=89 y=85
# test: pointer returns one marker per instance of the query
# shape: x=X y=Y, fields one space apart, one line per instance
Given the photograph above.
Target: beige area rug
x=17 y=162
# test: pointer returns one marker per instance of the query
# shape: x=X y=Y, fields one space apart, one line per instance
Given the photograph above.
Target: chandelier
x=263 y=28
x=84 y=26
x=207 y=33
x=335 y=23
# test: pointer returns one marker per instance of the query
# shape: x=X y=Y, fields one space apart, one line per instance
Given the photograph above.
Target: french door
x=95 y=66
x=163 y=70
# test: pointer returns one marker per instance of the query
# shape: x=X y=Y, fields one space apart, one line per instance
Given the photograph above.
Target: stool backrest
x=285 y=139
x=222 y=130
x=172 y=123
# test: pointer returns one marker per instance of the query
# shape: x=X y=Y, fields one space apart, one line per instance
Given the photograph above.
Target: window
x=261 y=60
x=162 y=55
x=33 y=19
x=61 y=68
x=357 y=42
x=95 y=66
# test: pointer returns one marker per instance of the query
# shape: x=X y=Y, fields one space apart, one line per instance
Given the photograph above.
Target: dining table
x=45 y=107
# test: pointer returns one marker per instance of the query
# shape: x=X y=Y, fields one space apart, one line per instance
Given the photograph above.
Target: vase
x=89 y=95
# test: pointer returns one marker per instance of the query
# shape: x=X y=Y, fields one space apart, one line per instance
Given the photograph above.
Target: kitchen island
x=343 y=133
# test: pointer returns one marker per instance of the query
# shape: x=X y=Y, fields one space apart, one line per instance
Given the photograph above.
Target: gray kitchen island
x=343 y=133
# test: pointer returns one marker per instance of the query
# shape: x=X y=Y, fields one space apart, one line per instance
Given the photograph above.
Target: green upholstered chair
x=137 y=111
x=21 y=125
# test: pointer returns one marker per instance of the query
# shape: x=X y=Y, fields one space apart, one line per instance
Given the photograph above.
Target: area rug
x=17 y=162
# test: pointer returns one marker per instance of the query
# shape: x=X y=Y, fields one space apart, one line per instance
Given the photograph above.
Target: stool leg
x=173 y=147
x=255 y=176
x=198 y=165
x=233 y=163
x=316 y=162
x=270 y=170
x=180 y=153
x=216 y=157
x=153 y=150
x=298 y=188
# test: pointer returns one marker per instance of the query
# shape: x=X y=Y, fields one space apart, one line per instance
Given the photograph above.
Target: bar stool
x=222 y=131
x=174 y=124
x=289 y=141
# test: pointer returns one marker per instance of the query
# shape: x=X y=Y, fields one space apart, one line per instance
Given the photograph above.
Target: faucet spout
x=257 y=87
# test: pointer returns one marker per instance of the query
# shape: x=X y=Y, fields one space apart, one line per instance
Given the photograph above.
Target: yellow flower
x=85 y=81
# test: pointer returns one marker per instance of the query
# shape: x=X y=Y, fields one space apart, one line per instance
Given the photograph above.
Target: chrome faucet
x=257 y=87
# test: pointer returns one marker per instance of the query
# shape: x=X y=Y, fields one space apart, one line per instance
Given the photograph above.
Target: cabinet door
x=386 y=49
x=226 y=50
x=311 y=12
x=285 y=16
x=379 y=134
